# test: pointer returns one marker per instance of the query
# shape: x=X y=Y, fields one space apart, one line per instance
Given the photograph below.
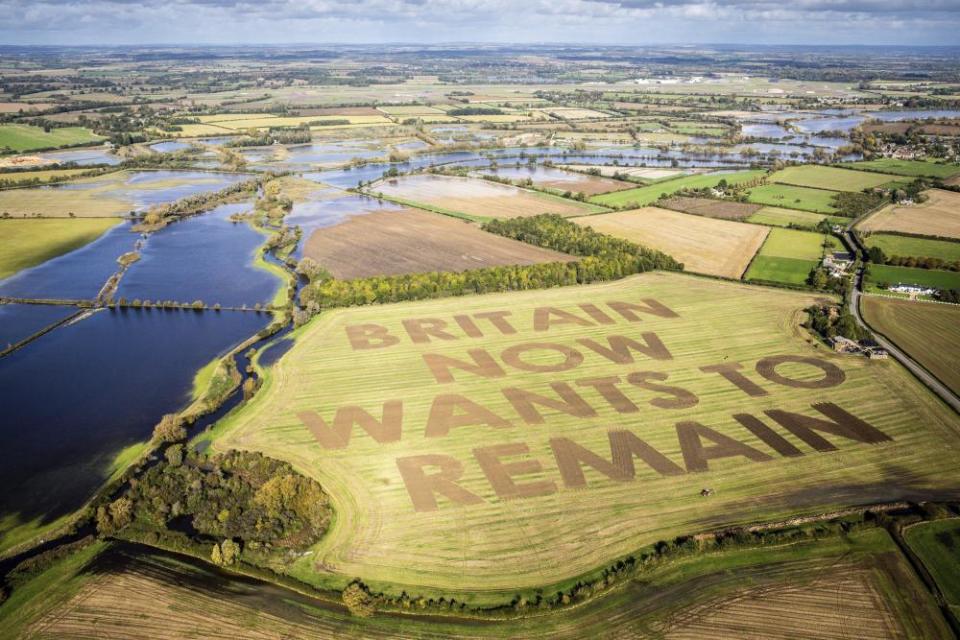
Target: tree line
x=601 y=258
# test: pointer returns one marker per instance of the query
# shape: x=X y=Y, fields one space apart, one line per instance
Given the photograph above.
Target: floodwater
x=169 y=145
x=82 y=157
x=204 y=257
x=317 y=214
x=80 y=394
x=20 y=321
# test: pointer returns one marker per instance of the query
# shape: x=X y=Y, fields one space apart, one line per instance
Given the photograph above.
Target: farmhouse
x=912 y=289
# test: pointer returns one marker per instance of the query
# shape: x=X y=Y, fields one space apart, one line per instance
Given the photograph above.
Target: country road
x=922 y=374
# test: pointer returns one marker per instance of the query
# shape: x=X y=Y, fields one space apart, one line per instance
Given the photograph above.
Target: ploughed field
x=476 y=197
x=415 y=241
x=703 y=245
x=497 y=442
x=723 y=209
x=857 y=582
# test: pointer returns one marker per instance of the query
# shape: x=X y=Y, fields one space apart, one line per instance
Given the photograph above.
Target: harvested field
x=928 y=332
x=722 y=209
x=830 y=178
x=547 y=524
x=715 y=247
x=415 y=241
x=476 y=197
x=939 y=216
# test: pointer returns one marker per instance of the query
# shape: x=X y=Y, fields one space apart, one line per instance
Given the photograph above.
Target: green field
x=643 y=196
x=43 y=175
x=831 y=178
x=938 y=545
x=23 y=137
x=928 y=332
x=30 y=242
x=878 y=274
x=790 y=197
x=788 y=256
x=513 y=508
x=777 y=217
x=777 y=269
x=894 y=245
x=910 y=168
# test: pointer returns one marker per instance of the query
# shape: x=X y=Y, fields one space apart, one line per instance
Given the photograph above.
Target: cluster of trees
x=280 y=135
x=878 y=256
x=273 y=203
x=853 y=204
x=475 y=111
x=246 y=498
x=200 y=202
x=602 y=258
x=829 y=321
x=949 y=295
x=820 y=278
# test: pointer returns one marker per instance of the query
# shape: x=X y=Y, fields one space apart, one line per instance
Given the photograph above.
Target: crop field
x=642 y=196
x=894 y=245
x=704 y=245
x=31 y=242
x=830 y=178
x=480 y=460
x=879 y=274
x=790 y=197
x=777 y=217
x=477 y=197
x=939 y=216
x=938 y=545
x=910 y=168
x=23 y=137
x=928 y=332
x=722 y=209
x=414 y=241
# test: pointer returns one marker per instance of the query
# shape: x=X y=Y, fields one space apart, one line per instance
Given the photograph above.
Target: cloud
x=423 y=21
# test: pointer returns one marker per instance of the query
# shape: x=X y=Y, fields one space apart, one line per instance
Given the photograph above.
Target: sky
x=827 y=22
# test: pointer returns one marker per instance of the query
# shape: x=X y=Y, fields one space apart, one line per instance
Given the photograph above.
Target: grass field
x=856 y=582
x=938 y=545
x=788 y=256
x=642 y=196
x=17 y=177
x=910 y=168
x=830 y=178
x=928 y=332
x=414 y=241
x=476 y=197
x=704 y=245
x=30 y=242
x=880 y=273
x=492 y=539
x=790 y=197
x=893 y=245
x=777 y=217
x=23 y=137
x=938 y=216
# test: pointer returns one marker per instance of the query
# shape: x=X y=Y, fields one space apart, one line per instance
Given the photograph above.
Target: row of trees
x=878 y=256
x=601 y=258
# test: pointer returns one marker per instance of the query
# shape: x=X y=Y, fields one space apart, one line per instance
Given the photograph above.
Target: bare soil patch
x=414 y=241
x=721 y=209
